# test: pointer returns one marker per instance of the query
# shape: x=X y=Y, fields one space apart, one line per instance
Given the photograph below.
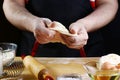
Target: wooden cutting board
x=60 y=66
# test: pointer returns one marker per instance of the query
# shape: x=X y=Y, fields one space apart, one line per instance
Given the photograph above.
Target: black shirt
x=66 y=12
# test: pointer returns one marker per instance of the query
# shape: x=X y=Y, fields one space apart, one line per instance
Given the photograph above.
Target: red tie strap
x=36 y=44
x=92 y=2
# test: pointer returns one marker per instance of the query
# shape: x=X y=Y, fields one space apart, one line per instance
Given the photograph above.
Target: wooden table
x=59 y=66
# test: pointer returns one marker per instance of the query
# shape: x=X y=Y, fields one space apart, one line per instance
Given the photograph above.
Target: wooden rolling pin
x=39 y=70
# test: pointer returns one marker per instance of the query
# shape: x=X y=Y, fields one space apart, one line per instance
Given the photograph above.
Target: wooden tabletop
x=59 y=66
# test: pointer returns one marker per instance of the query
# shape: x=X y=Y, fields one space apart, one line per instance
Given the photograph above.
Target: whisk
x=14 y=70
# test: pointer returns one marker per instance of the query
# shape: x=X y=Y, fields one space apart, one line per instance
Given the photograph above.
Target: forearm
x=103 y=14
x=16 y=13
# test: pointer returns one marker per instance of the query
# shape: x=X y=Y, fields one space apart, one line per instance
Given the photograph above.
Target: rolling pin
x=39 y=70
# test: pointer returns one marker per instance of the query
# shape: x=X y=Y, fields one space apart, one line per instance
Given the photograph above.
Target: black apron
x=66 y=12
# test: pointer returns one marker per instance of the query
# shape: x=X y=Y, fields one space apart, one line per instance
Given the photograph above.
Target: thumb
x=73 y=28
x=46 y=21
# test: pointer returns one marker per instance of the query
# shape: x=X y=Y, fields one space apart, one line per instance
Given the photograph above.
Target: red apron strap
x=26 y=1
x=82 y=52
x=92 y=2
x=36 y=44
x=34 y=49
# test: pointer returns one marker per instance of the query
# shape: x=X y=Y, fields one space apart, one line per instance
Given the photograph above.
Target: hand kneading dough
x=61 y=29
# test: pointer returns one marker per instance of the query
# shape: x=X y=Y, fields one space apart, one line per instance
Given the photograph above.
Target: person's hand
x=43 y=34
x=80 y=39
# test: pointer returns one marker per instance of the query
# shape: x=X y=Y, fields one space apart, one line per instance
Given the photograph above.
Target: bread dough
x=60 y=29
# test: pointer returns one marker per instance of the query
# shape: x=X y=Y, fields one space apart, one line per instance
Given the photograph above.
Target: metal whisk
x=14 y=70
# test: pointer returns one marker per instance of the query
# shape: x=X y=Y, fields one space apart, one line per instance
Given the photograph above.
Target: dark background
x=111 y=32
x=8 y=33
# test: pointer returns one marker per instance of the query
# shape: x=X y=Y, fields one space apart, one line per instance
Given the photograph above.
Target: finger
x=76 y=46
x=48 y=33
x=51 y=25
x=46 y=21
x=73 y=28
x=76 y=41
x=83 y=36
x=67 y=39
x=80 y=43
x=42 y=40
x=44 y=34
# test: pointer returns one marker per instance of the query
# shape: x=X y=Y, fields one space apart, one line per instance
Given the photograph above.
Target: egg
x=109 y=61
x=108 y=66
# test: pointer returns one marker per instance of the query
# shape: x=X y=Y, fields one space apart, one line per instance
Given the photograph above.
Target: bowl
x=8 y=52
x=96 y=74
